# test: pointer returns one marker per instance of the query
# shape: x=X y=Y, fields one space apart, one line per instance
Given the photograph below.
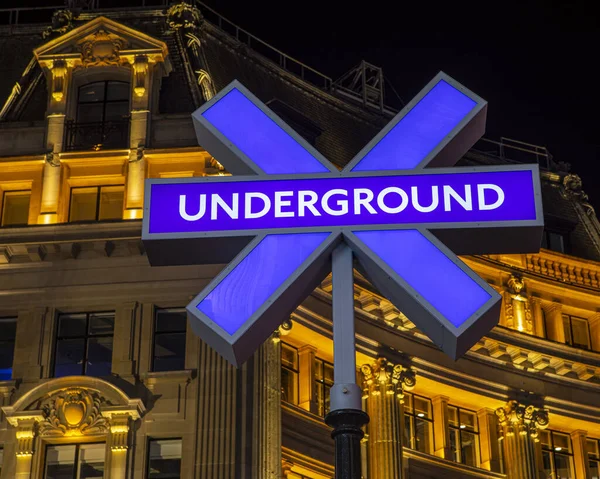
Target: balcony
x=101 y=135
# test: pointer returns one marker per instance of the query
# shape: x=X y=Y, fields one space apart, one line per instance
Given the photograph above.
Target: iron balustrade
x=97 y=135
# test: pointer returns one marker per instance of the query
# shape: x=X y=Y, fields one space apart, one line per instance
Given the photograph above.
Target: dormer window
x=102 y=117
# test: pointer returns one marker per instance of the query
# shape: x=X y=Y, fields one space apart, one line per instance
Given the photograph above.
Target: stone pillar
x=580 y=456
x=594 y=322
x=554 y=323
x=383 y=388
x=267 y=410
x=441 y=433
x=519 y=426
x=306 y=389
x=538 y=317
x=25 y=435
x=119 y=445
x=488 y=439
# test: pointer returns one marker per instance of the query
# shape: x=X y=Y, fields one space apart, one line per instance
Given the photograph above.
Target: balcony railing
x=101 y=135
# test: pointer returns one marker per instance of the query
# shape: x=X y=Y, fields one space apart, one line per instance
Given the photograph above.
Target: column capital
x=551 y=307
x=524 y=419
x=392 y=378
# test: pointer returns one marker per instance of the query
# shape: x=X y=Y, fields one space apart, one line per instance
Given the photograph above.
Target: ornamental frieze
x=101 y=48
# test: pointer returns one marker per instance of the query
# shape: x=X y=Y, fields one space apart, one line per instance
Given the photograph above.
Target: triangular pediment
x=102 y=41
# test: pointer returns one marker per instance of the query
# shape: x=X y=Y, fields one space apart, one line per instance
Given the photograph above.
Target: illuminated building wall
x=99 y=372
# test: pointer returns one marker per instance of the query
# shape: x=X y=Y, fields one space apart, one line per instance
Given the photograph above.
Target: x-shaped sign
x=289 y=209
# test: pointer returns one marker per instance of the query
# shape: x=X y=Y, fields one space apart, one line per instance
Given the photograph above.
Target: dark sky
x=534 y=62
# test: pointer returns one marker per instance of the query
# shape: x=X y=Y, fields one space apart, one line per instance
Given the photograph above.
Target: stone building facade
x=100 y=375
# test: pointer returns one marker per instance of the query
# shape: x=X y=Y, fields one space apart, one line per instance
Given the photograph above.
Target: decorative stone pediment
x=101 y=41
x=73 y=406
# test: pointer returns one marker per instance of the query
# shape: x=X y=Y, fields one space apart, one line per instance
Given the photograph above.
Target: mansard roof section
x=102 y=41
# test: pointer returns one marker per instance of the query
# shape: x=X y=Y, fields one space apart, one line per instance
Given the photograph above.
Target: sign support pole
x=346 y=416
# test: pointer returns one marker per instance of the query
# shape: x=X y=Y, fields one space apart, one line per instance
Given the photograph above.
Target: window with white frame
x=557 y=454
x=164 y=459
x=75 y=461
x=323 y=383
x=418 y=423
x=464 y=435
x=593 y=451
x=289 y=373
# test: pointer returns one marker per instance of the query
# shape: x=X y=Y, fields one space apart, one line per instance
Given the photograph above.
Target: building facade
x=100 y=374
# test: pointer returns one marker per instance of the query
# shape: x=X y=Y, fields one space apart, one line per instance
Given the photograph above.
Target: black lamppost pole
x=346 y=417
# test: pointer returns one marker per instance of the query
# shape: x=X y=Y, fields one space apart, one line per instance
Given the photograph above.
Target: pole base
x=347 y=433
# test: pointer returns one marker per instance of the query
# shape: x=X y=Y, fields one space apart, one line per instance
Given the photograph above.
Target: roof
x=340 y=127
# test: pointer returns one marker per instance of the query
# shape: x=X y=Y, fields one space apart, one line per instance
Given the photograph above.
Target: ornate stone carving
x=140 y=71
x=385 y=376
x=62 y=22
x=524 y=420
x=25 y=433
x=183 y=15
x=73 y=412
x=59 y=76
x=101 y=48
x=517 y=308
x=206 y=84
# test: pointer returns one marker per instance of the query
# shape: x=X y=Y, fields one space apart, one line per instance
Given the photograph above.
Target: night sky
x=535 y=62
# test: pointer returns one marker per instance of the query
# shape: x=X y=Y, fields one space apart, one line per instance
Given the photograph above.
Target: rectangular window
x=464 y=436
x=557 y=454
x=169 y=340
x=8 y=332
x=323 y=383
x=593 y=450
x=554 y=241
x=15 y=208
x=164 y=459
x=75 y=461
x=418 y=423
x=577 y=332
x=96 y=203
x=289 y=373
x=84 y=344
x=1 y=459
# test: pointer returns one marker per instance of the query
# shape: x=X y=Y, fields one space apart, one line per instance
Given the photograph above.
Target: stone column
x=519 y=426
x=580 y=456
x=119 y=445
x=267 y=410
x=141 y=72
x=538 y=317
x=554 y=323
x=594 y=322
x=488 y=439
x=383 y=388
x=25 y=434
x=441 y=431
x=306 y=389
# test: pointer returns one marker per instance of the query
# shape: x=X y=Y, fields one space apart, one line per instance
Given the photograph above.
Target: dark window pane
x=563 y=467
x=60 y=462
x=60 y=471
x=99 y=356
x=102 y=323
x=164 y=460
x=91 y=461
x=69 y=357
x=8 y=331
x=169 y=352
x=422 y=435
x=407 y=432
x=170 y=320
x=72 y=325
x=454 y=444
x=116 y=111
x=91 y=113
x=117 y=90
x=93 y=92
x=595 y=469
x=469 y=448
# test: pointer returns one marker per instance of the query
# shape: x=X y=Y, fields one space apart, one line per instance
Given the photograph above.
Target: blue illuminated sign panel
x=284 y=210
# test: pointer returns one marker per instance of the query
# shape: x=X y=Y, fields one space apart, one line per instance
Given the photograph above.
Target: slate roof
x=345 y=127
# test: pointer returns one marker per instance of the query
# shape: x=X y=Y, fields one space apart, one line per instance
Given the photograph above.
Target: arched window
x=102 y=117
